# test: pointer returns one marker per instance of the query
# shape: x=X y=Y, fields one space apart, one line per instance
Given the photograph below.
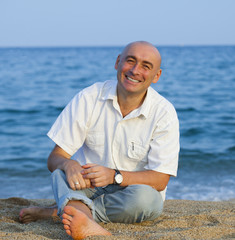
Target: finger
x=94 y=185
x=89 y=165
x=82 y=184
x=77 y=186
x=92 y=169
x=92 y=175
x=88 y=183
x=71 y=184
x=98 y=182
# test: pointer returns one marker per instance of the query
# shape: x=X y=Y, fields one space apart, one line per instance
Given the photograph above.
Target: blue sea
x=37 y=83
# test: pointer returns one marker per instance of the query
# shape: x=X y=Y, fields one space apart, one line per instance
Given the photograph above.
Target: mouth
x=132 y=80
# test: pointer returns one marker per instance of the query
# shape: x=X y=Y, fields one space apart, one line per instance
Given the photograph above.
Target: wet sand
x=181 y=219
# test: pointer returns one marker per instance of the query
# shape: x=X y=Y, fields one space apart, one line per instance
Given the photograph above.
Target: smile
x=133 y=80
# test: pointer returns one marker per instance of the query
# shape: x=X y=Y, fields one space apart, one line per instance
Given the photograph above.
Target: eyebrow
x=145 y=62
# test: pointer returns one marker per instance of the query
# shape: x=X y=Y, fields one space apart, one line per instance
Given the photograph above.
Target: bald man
x=116 y=146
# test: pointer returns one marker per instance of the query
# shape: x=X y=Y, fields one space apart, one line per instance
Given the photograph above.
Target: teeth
x=133 y=80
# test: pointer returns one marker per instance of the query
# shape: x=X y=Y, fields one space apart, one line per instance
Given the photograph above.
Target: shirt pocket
x=137 y=151
x=95 y=139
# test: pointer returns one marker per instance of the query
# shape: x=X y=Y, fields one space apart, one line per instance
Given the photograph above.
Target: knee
x=144 y=195
x=144 y=199
x=57 y=174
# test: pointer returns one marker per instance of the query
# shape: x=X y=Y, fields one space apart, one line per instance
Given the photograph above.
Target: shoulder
x=97 y=89
x=162 y=110
x=161 y=104
x=90 y=95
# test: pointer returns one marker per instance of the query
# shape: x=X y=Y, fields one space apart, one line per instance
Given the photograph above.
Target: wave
x=192 y=132
x=36 y=110
x=187 y=109
x=17 y=111
x=231 y=149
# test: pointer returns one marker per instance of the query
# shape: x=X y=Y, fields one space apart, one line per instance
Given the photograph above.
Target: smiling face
x=137 y=67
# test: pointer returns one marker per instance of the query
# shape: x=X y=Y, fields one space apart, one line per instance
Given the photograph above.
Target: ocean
x=37 y=83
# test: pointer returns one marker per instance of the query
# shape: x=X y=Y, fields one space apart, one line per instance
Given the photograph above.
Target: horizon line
x=107 y=46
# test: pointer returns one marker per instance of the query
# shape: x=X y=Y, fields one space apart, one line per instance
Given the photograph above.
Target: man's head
x=137 y=67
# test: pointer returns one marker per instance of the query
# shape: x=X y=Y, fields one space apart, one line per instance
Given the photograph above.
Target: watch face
x=118 y=178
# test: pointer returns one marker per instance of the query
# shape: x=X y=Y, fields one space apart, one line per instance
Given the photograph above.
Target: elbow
x=162 y=183
x=49 y=165
x=160 y=188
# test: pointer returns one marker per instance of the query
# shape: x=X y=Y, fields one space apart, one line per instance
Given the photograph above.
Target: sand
x=181 y=219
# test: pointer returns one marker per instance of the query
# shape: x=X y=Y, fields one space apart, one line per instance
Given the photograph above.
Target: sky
x=115 y=23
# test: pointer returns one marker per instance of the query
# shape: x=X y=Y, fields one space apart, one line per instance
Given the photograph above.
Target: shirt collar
x=110 y=92
x=144 y=109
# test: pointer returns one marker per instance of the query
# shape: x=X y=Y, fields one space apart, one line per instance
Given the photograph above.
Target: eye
x=130 y=60
x=147 y=67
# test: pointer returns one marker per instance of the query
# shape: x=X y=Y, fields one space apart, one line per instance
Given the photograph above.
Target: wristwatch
x=118 y=178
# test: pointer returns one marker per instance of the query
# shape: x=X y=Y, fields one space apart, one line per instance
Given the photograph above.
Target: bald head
x=148 y=46
x=137 y=67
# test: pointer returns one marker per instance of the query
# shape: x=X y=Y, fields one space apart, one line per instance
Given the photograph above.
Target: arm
x=59 y=159
x=152 y=178
x=101 y=176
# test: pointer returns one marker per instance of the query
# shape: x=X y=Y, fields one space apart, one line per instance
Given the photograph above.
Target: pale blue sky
x=108 y=22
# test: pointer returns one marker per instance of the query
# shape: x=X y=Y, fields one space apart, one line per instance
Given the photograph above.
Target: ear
x=157 y=76
x=117 y=62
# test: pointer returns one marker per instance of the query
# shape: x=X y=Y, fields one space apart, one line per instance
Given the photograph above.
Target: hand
x=74 y=177
x=99 y=176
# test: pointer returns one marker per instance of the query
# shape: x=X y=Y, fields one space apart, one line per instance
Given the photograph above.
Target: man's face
x=137 y=67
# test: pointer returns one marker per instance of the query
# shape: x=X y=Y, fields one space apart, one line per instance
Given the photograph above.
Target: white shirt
x=93 y=130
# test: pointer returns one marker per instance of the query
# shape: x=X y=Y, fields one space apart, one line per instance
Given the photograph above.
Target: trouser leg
x=135 y=203
x=63 y=193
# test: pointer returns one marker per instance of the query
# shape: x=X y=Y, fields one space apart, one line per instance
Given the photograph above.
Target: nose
x=135 y=69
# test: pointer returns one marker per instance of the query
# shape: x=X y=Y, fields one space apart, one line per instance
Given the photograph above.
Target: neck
x=129 y=102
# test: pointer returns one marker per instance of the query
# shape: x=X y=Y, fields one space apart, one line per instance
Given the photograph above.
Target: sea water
x=37 y=83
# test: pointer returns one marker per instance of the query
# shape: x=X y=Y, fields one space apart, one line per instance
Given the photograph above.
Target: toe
x=66 y=227
x=68 y=232
x=66 y=222
x=70 y=210
x=26 y=219
x=66 y=216
x=21 y=214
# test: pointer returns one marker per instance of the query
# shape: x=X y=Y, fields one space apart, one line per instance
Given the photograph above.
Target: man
x=124 y=139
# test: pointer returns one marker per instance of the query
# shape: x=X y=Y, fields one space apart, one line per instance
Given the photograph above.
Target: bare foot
x=79 y=226
x=32 y=214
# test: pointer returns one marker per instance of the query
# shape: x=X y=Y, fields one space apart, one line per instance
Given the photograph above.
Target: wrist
x=68 y=164
x=112 y=176
x=64 y=165
x=118 y=178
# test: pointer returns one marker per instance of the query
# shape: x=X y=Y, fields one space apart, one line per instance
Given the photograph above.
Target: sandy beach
x=181 y=219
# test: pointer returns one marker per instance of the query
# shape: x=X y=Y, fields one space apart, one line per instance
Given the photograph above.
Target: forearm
x=101 y=176
x=56 y=162
x=58 y=159
x=154 y=179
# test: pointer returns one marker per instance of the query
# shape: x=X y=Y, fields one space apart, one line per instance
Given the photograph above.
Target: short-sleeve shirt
x=92 y=129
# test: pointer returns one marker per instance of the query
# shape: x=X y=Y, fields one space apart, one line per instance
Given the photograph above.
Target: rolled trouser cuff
x=63 y=193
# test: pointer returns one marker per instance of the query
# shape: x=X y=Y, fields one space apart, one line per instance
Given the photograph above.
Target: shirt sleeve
x=164 y=147
x=69 y=129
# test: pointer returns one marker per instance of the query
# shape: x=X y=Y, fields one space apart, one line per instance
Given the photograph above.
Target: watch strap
x=117 y=172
